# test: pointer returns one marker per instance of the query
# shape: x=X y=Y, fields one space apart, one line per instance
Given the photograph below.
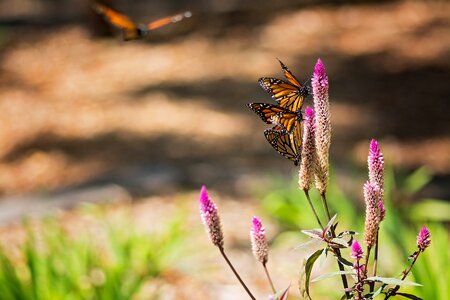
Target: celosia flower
x=306 y=171
x=319 y=84
x=210 y=218
x=371 y=198
x=357 y=251
x=361 y=269
x=423 y=239
x=382 y=210
x=258 y=239
x=375 y=162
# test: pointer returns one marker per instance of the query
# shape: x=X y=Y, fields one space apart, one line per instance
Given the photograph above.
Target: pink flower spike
x=423 y=239
x=258 y=239
x=357 y=251
x=382 y=210
x=371 y=198
x=319 y=84
x=375 y=162
x=306 y=171
x=210 y=218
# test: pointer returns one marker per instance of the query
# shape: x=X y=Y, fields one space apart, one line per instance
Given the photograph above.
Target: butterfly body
x=130 y=29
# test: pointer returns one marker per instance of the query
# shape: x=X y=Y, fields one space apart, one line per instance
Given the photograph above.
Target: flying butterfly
x=132 y=30
x=287 y=144
x=289 y=94
x=275 y=114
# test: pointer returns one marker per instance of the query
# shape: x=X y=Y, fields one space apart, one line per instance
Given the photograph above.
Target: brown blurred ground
x=77 y=109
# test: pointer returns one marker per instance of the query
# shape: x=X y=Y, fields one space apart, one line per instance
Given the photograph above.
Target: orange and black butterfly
x=132 y=30
x=275 y=114
x=289 y=94
x=287 y=144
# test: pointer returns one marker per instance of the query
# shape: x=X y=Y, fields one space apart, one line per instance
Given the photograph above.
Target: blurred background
x=135 y=128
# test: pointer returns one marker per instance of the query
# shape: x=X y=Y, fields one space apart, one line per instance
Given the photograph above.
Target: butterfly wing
x=287 y=144
x=274 y=114
x=129 y=27
x=289 y=94
x=168 y=20
x=289 y=76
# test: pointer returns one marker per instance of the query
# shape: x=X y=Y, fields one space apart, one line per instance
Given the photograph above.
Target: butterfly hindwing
x=275 y=114
x=287 y=144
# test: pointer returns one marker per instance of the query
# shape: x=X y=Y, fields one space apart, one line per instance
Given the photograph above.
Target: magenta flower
x=357 y=251
x=319 y=84
x=210 y=218
x=423 y=239
x=306 y=171
x=375 y=162
x=371 y=198
x=382 y=210
x=258 y=239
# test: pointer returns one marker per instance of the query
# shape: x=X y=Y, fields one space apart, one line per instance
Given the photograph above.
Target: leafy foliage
x=113 y=262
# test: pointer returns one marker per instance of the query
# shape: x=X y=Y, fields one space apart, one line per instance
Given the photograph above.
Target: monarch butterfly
x=287 y=144
x=130 y=29
x=290 y=94
x=275 y=114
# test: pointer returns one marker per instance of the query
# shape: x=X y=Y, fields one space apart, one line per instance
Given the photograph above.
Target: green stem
x=312 y=207
x=270 y=279
x=236 y=274
x=405 y=273
x=375 y=262
x=336 y=251
x=325 y=205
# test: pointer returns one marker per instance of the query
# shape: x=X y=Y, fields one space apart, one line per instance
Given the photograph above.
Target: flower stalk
x=210 y=218
x=423 y=241
x=260 y=247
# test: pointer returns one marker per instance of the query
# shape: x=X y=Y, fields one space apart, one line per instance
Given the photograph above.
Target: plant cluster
x=358 y=273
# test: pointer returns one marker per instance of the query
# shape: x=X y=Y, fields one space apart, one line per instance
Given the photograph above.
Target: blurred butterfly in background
x=287 y=144
x=289 y=94
x=275 y=114
x=132 y=30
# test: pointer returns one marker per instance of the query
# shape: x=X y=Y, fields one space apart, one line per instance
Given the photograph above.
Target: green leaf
x=417 y=180
x=314 y=233
x=284 y=294
x=377 y=292
x=332 y=274
x=392 y=281
x=330 y=223
x=308 y=268
x=430 y=210
x=344 y=261
x=323 y=257
x=304 y=245
x=340 y=242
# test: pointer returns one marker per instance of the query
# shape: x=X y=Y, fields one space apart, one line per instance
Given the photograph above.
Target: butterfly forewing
x=128 y=26
x=167 y=20
x=289 y=94
x=289 y=76
x=274 y=114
